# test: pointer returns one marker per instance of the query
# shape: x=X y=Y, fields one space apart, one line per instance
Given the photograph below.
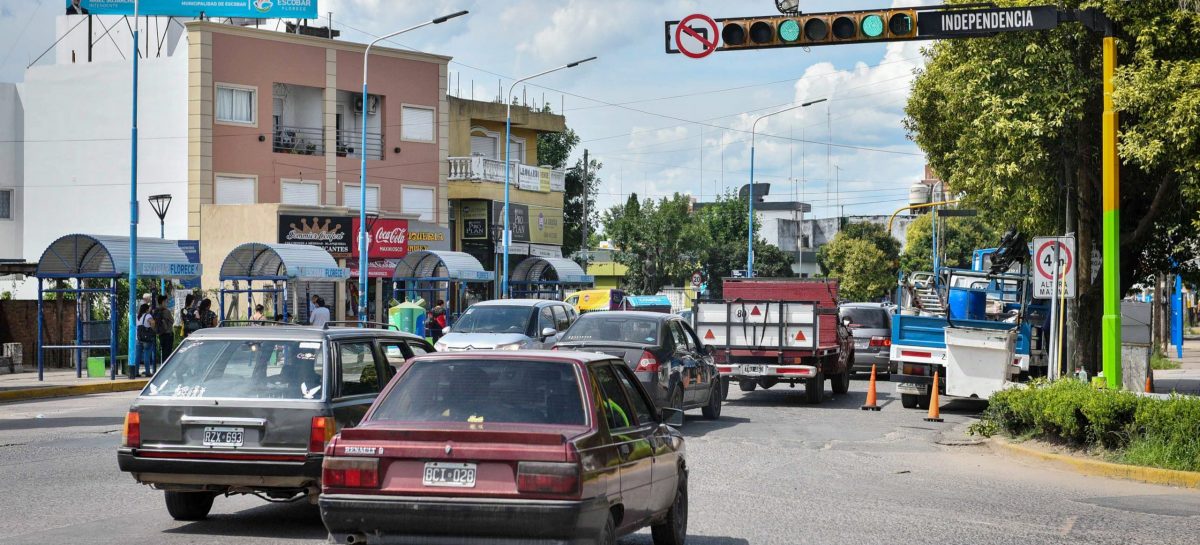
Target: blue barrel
x=968 y=304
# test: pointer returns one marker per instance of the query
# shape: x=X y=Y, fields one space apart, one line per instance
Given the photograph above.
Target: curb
x=67 y=391
x=1153 y=475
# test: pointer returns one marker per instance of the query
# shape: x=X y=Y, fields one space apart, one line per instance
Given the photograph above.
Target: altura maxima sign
x=967 y=22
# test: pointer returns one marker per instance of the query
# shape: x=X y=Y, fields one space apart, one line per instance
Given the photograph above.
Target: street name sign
x=948 y=23
x=1047 y=251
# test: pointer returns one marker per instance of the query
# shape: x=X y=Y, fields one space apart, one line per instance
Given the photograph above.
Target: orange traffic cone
x=935 y=413
x=1149 y=384
x=871 y=406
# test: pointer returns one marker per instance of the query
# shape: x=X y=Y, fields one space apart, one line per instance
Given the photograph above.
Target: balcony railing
x=349 y=144
x=484 y=169
x=298 y=140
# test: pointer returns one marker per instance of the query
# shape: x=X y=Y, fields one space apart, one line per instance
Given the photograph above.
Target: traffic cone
x=1149 y=384
x=935 y=413
x=871 y=406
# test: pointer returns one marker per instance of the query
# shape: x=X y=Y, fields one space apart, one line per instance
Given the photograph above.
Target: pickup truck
x=768 y=331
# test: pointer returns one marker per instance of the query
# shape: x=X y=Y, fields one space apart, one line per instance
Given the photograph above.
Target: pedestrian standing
x=208 y=318
x=437 y=322
x=145 y=341
x=164 y=327
x=258 y=315
x=320 y=314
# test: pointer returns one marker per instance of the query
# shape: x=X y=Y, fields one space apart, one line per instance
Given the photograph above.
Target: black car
x=667 y=356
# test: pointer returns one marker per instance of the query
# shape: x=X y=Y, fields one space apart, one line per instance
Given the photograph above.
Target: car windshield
x=494 y=319
x=478 y=391
x=242 y=369
x=613 y=327
x=866 y=318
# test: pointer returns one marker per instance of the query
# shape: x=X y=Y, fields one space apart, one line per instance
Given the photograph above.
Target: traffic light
x=818 y=29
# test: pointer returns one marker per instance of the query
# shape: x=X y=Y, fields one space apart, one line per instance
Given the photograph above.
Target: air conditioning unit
x=372 y=102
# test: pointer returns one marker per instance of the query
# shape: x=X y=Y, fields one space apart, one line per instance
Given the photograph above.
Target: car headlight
x=441 y=347
x=510 y=346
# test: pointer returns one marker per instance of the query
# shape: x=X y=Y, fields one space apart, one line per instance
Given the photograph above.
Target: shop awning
x=547 y=270
x=441 y=265
x=106 y=256
x=260 y=261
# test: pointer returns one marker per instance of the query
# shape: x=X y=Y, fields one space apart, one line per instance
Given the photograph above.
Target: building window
x=236 y=104
x=301 y=192
x=235 y=190
x=517 y=151
x=418 y=200
x=6 y=204
x=484 y=143
x=350 y=197
x=416 y=123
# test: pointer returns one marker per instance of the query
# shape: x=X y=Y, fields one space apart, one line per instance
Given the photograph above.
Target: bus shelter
x=95 y=264
x=548 y=278
x=439 y=274
x=275 y=269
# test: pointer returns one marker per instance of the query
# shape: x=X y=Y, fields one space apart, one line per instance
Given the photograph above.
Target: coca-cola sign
x=329 y=232
x=387 y=238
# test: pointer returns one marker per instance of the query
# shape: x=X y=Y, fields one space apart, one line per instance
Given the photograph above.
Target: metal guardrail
x=349 y=144
x=298 y=140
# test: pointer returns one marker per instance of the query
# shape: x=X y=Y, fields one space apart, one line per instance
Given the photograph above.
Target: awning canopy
x=550 y=270
x=441 y=265
x=260 y=261
x=106 y=256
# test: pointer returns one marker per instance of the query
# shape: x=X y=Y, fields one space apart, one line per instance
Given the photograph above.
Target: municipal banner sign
x=250 y=9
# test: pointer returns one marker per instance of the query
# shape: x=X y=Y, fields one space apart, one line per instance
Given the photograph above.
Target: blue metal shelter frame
x=540 y=277
x=440 y=272
x=275 y=263
x=82 y=257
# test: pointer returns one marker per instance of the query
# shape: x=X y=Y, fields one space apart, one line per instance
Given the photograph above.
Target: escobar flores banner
x=250 y=9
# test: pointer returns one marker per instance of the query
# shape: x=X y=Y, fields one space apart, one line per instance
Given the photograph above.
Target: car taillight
x=323 y=428
x=547 y=478
x=915 y=370
x=350 y=472
x=554 y=348
x=131 y=435
x=881 y=341
x=648 y=363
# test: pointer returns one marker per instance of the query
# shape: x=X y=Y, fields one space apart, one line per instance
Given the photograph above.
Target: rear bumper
x=864 y=360
x=784 y=373
x=192 y=472
x=912 y=384
x=439 y=520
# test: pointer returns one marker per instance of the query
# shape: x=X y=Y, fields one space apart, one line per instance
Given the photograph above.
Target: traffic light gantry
x=807 y=30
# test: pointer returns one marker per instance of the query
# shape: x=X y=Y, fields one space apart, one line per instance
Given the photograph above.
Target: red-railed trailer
x=768 y=331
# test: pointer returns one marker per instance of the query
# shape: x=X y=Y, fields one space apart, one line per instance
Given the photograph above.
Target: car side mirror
x=710 y=350
x=445 y=331
x=672 y=417
x=549 y=332
x=846 y=322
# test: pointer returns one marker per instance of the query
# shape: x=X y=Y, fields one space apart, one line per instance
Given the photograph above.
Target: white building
x=11 y=161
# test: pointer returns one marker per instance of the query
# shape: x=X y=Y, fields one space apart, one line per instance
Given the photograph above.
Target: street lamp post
x=362 y=177
x=508 y=159
x=160 y=204
x=750 y=217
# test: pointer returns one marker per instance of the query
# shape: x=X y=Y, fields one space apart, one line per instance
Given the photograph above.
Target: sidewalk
x=60 y=383
x=1186 y=379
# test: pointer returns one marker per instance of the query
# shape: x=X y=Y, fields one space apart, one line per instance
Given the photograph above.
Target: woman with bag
x=145 y=341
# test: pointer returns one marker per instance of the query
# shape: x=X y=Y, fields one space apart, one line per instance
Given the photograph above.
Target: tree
x=1013 y=122
x=958 y=238
x=872 y=233
x=722 y=227
x=864 y=257
x=655 y=240
x=554 y=149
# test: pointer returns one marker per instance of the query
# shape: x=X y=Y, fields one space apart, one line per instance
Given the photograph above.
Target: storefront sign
x=169 y=270
x=191 y=248
x=538 y=250
x=333 y=233
x=544 y=179
x=427 y=236
x=476 y=219
x=541 y=225
x=250 y=9
x=323 y=273
x=376 y=268
x=529 y=177
x=387 y=238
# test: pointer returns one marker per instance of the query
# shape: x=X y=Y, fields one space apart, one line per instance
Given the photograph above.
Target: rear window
x=866 y=318
x=242 y=369
x=504 y=391
x=613 y=327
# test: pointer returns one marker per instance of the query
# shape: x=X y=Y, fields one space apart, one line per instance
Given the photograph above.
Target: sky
x=658 y=123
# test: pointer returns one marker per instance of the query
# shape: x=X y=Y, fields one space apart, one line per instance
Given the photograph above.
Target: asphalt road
x=772 y=471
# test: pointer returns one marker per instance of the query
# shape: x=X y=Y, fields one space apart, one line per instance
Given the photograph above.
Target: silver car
x=508 y=324
x=248 y=410
x=871 y=326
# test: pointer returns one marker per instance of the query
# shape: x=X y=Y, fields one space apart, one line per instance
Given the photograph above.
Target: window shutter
x=350 y=198
x=415 y=200
x=301 y=193
x=416 y=124
x=483 y=145
x=230 y=190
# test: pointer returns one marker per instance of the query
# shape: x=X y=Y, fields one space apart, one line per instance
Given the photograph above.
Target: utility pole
x=583 y=244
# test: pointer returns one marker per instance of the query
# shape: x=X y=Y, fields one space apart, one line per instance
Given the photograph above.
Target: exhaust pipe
x=353 y=539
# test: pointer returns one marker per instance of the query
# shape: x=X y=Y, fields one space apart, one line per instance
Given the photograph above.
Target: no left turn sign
x=696 y=36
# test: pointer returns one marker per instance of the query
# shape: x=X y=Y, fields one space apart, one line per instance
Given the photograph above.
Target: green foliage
x=1158 y=362
x=579 y=194
x=864 y=257
x=6 y=296
x=958 y=238
x=1139 y=430
x=722 y=228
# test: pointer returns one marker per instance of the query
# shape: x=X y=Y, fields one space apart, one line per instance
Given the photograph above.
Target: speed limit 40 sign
x=1054 y=258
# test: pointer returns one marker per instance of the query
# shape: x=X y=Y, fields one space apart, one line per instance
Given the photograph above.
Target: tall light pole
x=133 y=351
x=362 y=176
x=750 y=218
x=508 y=160
x=160 y=204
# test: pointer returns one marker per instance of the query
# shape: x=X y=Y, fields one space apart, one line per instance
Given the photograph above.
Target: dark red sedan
x=508 y=447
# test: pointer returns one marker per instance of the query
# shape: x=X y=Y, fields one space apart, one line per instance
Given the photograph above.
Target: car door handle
x=624 y=449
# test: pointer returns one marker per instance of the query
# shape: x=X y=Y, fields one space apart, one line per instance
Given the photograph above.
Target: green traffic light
x=872 y=26
x=789 y=30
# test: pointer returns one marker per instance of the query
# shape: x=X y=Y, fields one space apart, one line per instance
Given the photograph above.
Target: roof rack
x=235 y=323
x=357 y=323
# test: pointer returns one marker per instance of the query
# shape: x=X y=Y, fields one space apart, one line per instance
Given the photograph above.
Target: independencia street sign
x=973 y=22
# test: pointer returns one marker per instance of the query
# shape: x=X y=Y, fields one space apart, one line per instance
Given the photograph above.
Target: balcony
x=349 y=144
x=298 y=140
x=484 y=169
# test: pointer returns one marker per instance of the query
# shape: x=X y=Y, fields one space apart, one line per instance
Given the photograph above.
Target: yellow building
x=605 y=269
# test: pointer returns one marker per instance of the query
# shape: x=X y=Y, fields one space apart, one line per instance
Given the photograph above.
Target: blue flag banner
x=251 y=9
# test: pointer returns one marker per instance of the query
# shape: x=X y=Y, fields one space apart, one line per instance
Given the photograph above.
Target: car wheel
x=909 y=401
x=673 y=529
x=840 y=383
x=724 y=389
x=747 y=385
x=814 y=388
x=923 y=401
x=712 y=410
x=608 y=536
x=189 y=505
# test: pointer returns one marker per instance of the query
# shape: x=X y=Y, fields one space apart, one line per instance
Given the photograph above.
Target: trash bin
x=968 y=304
x=979 y=362
x=404 y=316
x=95 y=366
